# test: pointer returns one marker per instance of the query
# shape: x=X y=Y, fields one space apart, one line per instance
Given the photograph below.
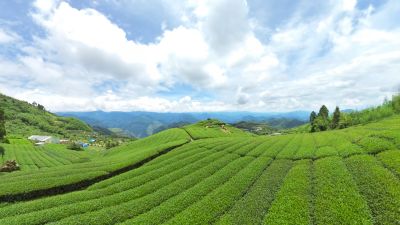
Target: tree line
x=322 y=121
x=339 y=120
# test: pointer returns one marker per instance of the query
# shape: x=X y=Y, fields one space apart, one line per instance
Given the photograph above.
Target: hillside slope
x=25 y=119
x=349 y=176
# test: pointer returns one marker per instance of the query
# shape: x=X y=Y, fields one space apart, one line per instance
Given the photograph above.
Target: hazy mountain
x=142 y=124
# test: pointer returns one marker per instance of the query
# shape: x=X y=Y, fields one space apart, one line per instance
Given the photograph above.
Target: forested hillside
x=323 y=121
x=24 y=119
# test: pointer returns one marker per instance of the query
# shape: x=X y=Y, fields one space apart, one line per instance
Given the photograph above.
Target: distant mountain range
x=142 y=124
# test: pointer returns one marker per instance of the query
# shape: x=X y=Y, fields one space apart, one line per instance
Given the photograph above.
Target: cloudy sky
x=210 y=55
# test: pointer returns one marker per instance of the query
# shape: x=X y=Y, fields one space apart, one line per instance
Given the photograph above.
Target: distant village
x=40 y=140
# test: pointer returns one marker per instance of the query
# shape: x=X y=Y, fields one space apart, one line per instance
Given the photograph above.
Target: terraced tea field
x=213 y=175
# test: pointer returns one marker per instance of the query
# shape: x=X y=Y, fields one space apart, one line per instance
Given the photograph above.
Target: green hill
x=25 y=119
x=211 y=173
x=212 y=128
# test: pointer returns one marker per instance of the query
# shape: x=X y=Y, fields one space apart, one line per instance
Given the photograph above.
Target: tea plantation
x=208 y=173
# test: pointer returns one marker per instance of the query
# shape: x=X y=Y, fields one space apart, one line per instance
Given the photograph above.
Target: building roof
x=39 y=138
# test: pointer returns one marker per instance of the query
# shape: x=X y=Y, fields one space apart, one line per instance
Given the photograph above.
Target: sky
x=193 y=56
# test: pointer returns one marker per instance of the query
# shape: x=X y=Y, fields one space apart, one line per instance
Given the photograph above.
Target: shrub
x=75 y=146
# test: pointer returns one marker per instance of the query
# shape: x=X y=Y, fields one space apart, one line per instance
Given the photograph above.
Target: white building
x=44 y=139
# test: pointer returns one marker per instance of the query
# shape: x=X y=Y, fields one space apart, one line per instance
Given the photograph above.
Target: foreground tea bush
x=292 y=204
x=380 y=188
x=391 y=159
x=207 y=209
x=251 y=208
x=337 y=200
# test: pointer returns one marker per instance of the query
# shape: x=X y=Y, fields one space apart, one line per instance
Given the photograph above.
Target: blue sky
x=211 y=55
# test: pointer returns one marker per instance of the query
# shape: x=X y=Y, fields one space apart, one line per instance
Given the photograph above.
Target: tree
x=396 y=103
x=324 y=112
x=75 y=146
x=41 y=107
x=336 y=118
x=313 y=116
x=321 y=124
x=2 y=125
x=345 y=121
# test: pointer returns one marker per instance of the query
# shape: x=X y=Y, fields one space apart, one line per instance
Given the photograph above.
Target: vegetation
x=271 y=126
x=213 y=128
x=75 y=146
x=255 y=127
x=340 y=120
x=2 y=125
x=25 y=119
x=211 y=173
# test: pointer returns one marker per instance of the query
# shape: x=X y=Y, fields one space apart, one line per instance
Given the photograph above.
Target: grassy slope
x=348 y=176
x=23 y=119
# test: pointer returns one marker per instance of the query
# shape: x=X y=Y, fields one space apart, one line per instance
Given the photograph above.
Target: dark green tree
x=313 y=116
x=336 y=118
x=41 y=107
x=321 y=122
x=2 y=124
x=324 y=112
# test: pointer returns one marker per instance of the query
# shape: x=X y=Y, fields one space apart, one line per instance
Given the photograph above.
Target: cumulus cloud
x=334 y=54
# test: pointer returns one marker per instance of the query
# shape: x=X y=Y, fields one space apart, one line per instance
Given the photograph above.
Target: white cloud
x=8 y=37
x=349 y=5
x=333 y=59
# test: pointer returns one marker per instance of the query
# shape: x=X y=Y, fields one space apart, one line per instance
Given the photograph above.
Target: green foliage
x=345 y=121
x=338 y=202
x=379 y=187
x=252 y=207
x=75 y=146
x=174 y=205
x=342 y=120
x=375 y=144
x=111 y=144
x=207 y=209
x=292 y=204
x=254 y=127
x=323 y=112
x=320 y=122
x=2 y=124
x=313 y=116
x=112 y=160
x=391 y=160
x=336 y=118
x=213 y=128
x=27 y=119
x=396 y=103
